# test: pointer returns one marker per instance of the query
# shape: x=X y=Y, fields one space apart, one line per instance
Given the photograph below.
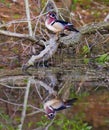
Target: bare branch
x=18 y=35
x=47 y=53
x=12 y=87
x=39 y=17
x=72 y=39
x=13 y=22
x=28 y=17
x=11 y=78
x=93 y=27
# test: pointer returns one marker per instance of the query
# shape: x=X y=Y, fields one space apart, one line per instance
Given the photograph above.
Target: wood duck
x=55 y=25
x=55 y=105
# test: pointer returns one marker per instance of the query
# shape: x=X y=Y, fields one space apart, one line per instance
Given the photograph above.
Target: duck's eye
x=52 y=15
x=51 y=115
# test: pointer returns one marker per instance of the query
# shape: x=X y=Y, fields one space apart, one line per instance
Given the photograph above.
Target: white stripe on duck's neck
x=50 y=20
x=49 y=110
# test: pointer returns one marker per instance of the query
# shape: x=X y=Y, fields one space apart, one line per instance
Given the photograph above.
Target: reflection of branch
x=65 y=90
x=44 y=85
x=5 y=81
x=20 y=105
x=12 y=103
x=47 y=127
x=25 y=104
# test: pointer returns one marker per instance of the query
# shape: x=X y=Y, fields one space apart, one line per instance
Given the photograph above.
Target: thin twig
x=13 y=87
x=40 y=17
x=13 y=22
